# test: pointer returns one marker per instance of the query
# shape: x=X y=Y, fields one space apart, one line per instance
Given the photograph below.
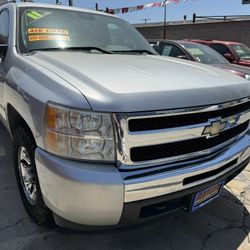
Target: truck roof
x=54 y=6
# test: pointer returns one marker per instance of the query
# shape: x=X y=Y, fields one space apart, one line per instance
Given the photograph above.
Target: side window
x=4 y=26
x=172 y=50
x=167 y=49
x=222 y=49
x=176 y=52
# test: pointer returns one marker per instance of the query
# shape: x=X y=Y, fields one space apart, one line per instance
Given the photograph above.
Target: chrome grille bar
x=127 y=140
x=154 y=137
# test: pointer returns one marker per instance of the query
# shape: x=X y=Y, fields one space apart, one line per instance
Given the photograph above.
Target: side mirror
x=182 y=57
x=229 y=57
x=3 y=50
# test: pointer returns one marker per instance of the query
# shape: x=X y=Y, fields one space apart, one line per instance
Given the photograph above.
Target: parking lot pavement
x=223 y=224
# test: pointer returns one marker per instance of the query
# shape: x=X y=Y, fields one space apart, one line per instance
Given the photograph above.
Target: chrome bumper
x=172 y=181
x=95 y=194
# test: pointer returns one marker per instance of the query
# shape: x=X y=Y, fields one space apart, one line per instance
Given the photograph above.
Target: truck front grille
x=184 y=147
x=167 y=137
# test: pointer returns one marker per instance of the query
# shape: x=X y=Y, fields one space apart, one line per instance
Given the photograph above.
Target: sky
x=175 y=12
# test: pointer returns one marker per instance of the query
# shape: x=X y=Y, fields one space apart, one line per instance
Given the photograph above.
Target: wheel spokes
x=27 y=175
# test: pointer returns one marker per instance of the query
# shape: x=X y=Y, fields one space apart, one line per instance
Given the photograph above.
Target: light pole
x=70 y=2
x=165 y=21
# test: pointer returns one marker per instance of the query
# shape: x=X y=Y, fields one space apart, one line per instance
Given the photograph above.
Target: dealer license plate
x=202 y=198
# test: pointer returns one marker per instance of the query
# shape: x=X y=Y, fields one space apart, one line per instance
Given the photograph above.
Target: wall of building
x=224 y=30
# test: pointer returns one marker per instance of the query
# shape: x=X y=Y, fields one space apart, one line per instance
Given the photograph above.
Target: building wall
x=229 y=30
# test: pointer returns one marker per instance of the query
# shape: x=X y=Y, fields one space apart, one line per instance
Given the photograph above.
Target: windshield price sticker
x=47 y=31
x=34 y=38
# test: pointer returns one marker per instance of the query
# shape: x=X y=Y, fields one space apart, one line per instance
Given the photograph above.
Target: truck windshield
x=51 y=28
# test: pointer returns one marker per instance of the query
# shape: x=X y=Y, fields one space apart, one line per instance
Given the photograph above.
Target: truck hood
x=128 y=83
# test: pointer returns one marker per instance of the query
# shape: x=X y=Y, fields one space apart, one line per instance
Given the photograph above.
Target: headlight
x=79 y=134
x=247 y=77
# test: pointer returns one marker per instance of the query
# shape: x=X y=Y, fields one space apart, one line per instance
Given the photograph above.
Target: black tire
x=38 y=211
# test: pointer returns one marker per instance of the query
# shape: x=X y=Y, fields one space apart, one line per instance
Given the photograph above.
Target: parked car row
x=225 y=55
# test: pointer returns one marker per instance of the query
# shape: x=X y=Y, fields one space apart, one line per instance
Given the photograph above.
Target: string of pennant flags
x=124 y=10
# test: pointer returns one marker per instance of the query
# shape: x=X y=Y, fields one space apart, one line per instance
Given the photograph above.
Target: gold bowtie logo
x=214 y=129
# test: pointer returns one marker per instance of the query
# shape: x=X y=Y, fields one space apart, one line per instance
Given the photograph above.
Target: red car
x=234 y=52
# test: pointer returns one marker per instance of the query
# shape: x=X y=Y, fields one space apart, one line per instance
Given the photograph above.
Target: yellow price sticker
x=48 y=31
x=34 y=38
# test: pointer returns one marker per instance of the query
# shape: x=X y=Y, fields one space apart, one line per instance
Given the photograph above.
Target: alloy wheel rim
x=27 y=176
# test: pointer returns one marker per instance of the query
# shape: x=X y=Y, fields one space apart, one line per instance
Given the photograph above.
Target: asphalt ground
x=222 y=224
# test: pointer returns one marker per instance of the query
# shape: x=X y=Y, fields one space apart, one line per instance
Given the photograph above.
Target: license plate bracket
x=205 y=196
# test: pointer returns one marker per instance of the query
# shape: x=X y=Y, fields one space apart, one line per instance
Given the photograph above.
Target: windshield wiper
x=134 y=51
x=74 y=48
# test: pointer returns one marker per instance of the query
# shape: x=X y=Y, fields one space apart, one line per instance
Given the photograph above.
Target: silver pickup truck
x=105 y=132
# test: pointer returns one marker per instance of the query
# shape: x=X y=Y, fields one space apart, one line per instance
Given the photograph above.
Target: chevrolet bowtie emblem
x=214 y=129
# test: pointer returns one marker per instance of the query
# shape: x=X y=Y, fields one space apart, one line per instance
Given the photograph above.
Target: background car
x=234 y=52
x=199 y=53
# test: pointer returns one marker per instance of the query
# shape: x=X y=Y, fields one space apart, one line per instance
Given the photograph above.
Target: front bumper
x=97 y=195
x=83 y=193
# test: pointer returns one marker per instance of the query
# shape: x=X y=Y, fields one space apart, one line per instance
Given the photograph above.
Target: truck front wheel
x=26 y=174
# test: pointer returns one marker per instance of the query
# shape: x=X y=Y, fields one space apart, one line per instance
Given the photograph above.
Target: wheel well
x=15 y=120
